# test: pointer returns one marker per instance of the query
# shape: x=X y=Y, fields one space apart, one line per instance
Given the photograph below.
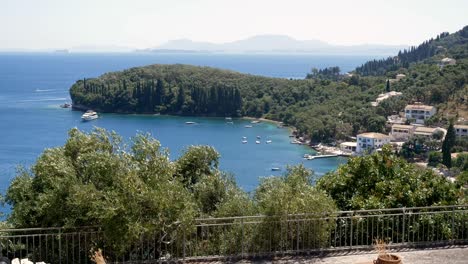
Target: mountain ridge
x=270 y=43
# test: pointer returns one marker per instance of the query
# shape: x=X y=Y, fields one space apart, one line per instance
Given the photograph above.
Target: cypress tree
x=387 y=88
x=447 y=145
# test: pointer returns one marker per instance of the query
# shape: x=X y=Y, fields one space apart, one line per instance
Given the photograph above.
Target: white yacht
x=244 y=141
x=268 y=141
x=257 y=142
x=89 y=115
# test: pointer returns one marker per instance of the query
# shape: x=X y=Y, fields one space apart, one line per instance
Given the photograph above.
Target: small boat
x=228 y=118
x=190 y=123
x=255 y=122
x=230 y=122
x=244 y=137
x=308 y=157
x=65 y=105
x=247 y=126
x=296 y=142
x=257 y=142
x=259 y=137
x=244 y=141
x=89 y=115
x=275 y=169
x=268 y=141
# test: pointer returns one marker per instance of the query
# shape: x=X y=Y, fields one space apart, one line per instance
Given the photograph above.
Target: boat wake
x=43 y=100
x=44 y=90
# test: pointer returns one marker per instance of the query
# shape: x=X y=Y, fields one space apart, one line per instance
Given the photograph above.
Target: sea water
x=33 y=85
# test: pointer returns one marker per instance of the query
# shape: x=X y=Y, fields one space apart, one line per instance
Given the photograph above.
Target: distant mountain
x=101 y=48
x=274 y=44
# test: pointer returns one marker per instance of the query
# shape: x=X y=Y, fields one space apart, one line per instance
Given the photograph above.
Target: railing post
x=351 y=231
x=404 y=225
x=242 y=238
x=453 y=224
x=297 y=236
x=183 y=244
x=60 y=246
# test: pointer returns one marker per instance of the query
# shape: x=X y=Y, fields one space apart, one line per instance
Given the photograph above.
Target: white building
x=429 y=132
x=461 y=130
x=448 y=61
x=419 y=112
x=402 y=132
x=348 y=147
x=385 y=96
x=400 y=76
x=369 y=142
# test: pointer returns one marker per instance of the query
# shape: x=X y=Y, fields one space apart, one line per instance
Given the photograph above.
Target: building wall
x=419 y=115
x=370 y=144
x=461 y=131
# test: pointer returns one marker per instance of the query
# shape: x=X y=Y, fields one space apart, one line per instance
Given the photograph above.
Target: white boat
x=190 y=123
x=255 y=122
x=89 y=115
x=296 y=142
x=257 y=142
x=228 y=118
x=268 y=141
x=275 y=169
x=247 y=126
x=259 y=137
x=244 y=141
x=244 y=137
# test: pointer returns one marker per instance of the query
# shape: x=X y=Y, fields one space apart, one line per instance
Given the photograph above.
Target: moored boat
x=275 y=169
x=247 y=126
x=190 y=123
x=65 y=105
x=89 y=115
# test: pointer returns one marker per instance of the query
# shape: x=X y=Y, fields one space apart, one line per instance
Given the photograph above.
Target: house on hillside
x=402 y=132
x=419 y=112
x=369 y=142
x=400 y=76
x=385 y=96
x=348 y=147
x=447 y=61
x=461 y=130
x=429 y=132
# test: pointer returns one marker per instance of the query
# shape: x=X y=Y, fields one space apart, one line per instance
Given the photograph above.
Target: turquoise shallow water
x=32 y=86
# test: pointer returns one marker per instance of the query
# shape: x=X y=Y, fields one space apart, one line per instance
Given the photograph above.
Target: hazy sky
x=51 y=24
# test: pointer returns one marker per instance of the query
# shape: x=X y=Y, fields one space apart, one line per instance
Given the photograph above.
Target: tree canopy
x=383 y=180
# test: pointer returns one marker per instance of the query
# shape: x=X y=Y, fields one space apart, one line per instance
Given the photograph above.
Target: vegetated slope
x=453 y=45
x=314 y=106
x=319 y=108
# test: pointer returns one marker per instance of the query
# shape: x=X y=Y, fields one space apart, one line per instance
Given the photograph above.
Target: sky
x=57 y=24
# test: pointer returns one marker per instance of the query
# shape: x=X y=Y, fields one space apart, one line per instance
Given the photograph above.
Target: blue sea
x=33 y=85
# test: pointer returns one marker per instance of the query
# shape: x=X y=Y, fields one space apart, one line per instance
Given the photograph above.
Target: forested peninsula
x=326 y=105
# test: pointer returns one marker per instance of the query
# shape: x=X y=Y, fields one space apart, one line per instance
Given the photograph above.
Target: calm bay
x=33 y=85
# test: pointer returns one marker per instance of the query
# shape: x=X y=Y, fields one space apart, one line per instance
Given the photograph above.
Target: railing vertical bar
x=351 y=230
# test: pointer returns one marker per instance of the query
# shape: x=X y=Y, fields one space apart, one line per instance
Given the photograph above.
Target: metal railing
x=250 y=236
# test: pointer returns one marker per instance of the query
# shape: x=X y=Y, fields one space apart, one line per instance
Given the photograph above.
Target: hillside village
x=410 y=125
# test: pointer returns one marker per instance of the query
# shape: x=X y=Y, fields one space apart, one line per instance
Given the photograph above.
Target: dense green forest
x=444 y=43
x=325 y=106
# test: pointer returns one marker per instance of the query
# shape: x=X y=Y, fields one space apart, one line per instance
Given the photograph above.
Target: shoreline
x=279 y=124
